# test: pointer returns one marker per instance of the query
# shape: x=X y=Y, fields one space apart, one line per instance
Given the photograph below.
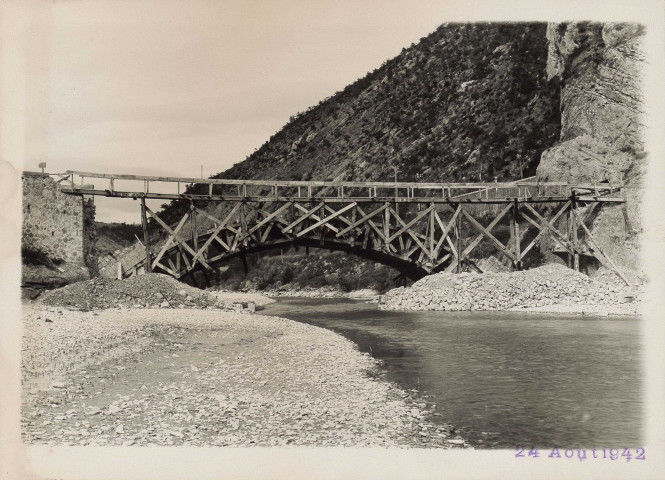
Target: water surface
x=503 y=378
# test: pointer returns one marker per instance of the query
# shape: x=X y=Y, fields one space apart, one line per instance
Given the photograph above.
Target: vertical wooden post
x=322 y=213
x=195 y=237
x=146 y=240
x=569 y=232
x=573 y=223
x=431 y=232
x=458 y=229
x=386 y=226
x=352 y=240
x=243 y=222
x=516 y=232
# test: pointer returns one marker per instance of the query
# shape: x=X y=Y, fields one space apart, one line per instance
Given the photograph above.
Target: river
x=503 y=379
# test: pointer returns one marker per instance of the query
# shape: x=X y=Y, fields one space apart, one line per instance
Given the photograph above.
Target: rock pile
x=550 y=284
x=144 y=291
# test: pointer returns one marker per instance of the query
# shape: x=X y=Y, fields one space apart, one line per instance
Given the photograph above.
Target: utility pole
x=201 y=171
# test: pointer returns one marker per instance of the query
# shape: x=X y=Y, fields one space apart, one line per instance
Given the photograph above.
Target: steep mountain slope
x=460 y=105
x=469 y=102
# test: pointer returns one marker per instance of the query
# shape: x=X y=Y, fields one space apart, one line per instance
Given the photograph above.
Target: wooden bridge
x=418 y=228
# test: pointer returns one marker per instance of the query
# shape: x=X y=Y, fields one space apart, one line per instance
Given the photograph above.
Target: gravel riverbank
x=207 y=377
x=551 y=288
x=321 y=292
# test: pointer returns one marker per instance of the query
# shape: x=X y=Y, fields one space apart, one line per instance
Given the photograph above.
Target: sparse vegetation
x=114 y=236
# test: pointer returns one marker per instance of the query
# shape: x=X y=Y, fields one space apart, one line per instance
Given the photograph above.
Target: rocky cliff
x=598 y=69
x=597 y=66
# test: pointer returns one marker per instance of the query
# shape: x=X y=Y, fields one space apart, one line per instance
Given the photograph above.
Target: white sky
x=163 y=87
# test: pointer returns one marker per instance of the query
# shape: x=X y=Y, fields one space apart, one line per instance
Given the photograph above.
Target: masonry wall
x=59 y=225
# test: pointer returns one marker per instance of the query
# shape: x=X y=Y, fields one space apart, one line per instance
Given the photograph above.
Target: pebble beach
x=141 y=377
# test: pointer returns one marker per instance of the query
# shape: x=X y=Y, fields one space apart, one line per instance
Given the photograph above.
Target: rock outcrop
x=598 y=68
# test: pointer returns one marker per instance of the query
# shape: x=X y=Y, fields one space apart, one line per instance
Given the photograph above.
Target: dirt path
x=188 y=377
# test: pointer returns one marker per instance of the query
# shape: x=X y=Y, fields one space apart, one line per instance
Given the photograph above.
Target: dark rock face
x=598 y=67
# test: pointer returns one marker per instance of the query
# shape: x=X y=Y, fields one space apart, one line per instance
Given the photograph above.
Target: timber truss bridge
x=418 y=228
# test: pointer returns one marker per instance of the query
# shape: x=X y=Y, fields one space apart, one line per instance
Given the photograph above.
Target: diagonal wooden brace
x=314 y=216
x=299 y=220
x=214 y=234
x=169 y=242
x=502 y=248
x=413 y=236
x=445 y=229
x=599 y=253
x=217 y=220
x=411 y=223
x=175 y=236
x=479 y=238
x=268 y=218
x=555 y=233
x=363 y=219
x=542 y=229
x=326 y=219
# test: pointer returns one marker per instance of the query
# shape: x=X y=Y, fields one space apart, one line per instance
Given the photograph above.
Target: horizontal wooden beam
x=323 y=184
x=332 y=199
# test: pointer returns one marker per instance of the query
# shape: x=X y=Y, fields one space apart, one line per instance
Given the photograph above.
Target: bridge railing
x=122 y=185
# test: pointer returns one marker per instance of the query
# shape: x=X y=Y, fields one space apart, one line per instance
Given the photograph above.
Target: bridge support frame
x=416 y=240
x=431 y=229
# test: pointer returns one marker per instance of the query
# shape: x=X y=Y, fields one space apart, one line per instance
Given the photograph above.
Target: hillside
x=115 y=236
x=469 y=102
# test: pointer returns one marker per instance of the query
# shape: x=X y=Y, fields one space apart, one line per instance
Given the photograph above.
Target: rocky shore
x=207 y=377
x=551 y=288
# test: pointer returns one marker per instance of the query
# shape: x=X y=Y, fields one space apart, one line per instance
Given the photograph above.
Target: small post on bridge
x=146 y=239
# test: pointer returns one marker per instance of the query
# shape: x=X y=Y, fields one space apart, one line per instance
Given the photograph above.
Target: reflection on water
x=503 y=378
